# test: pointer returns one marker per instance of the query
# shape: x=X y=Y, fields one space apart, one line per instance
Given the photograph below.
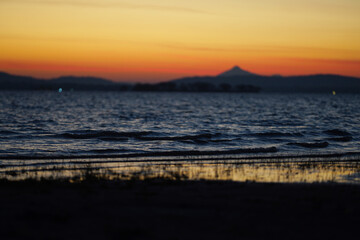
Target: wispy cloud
x=62 y=39
x=110 y=4
x=194 y=48
x=255 y=48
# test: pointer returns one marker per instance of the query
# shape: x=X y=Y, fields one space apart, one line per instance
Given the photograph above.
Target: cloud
x=194 y=48
x=109 y=4
x=259 y=49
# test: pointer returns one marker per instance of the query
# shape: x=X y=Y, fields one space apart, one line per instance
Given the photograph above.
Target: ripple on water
x=81 y=122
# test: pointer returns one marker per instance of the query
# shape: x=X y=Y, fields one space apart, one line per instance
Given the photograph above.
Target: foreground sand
x=161 y=209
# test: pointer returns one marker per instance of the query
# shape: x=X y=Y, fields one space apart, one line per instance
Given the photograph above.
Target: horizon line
x=169 y=80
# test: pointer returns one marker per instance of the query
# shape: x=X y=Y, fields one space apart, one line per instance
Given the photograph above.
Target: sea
x=46 y=124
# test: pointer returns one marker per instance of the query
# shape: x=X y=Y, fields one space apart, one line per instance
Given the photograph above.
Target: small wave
x=7 y=132
x=276 y=134
x=102 y=135
x=114 y=139
x=148 y=154
x=223 y=140
x=107 y=151
x=207 y=141
x=310 y=145
x=196 y=142
x=199 y=137
x=202 y=153
x=340 y=139
x=337 y=132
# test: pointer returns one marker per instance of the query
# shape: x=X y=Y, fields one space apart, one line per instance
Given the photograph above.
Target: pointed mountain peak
x=235 y=71
x=236 y=68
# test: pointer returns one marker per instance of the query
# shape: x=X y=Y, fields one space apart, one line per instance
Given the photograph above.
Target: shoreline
x=310 y=169
x=230 y=154
x=212 y=197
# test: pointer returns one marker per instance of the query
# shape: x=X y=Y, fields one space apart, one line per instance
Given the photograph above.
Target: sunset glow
x=158 y=40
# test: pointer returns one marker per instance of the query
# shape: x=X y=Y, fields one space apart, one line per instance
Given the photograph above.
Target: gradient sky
x=156 y=40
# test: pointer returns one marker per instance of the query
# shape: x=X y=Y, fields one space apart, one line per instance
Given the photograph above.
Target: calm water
x=105 y=123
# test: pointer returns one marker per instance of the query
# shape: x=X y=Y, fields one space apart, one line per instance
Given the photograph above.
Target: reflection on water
x=280 y=172
x=274 y=172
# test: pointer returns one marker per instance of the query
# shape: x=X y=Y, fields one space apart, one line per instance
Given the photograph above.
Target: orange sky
x=157 y=40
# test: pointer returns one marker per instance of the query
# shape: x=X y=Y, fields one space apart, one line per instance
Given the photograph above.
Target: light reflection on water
x=278 y=172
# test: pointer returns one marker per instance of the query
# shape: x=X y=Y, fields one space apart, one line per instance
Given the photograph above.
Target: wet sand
x=163 y=209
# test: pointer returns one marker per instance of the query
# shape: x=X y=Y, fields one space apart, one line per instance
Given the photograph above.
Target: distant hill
x=10 y=82
x=321 y=83
x=233 y=80
x=71 y=83
x=81 y=80
x=13 y=82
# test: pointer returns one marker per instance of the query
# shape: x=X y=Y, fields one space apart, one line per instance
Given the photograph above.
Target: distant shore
x=228 y=83
x=162 y=209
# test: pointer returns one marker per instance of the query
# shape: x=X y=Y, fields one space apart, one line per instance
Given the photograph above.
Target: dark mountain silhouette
x=234 y=80
x=236 y=71
x=8 y=81
x=237 y=78
x=70 y=83
x=81 y=80
x=13 y=82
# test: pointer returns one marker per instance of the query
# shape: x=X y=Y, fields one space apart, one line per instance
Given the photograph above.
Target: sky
x=159 y=40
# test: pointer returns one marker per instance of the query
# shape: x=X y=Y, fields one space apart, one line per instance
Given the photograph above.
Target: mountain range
x=233 y=80
x=277 y=83
x=13 y=82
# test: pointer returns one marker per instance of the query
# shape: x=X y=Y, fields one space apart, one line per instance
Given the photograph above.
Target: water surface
x=49 y=124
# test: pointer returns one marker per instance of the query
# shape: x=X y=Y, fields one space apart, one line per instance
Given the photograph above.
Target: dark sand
x=161 y=209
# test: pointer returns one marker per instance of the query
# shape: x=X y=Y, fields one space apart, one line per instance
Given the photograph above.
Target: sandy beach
x=295 y=198
x=162 y=209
